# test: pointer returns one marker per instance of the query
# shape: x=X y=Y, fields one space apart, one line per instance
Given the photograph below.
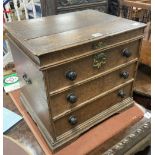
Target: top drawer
x=88 y=67
x=56 y=58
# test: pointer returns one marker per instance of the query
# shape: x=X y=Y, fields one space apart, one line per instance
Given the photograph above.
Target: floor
x=21 y=131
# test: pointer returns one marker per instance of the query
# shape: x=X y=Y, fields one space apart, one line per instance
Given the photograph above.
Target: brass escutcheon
x=99 y=60
x=100 y=44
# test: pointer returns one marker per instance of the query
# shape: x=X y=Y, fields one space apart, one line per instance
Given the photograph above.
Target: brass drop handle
x=99 y=60
x=72 y=120
x=124 y=74
x=121 y=93
x=71 y=98
x=126 y=53
x=71 y=75
x=26 y=79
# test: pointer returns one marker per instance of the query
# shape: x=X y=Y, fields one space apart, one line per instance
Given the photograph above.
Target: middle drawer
x=79 y=94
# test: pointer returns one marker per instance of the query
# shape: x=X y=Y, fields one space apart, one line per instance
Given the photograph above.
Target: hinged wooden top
x=53 y=33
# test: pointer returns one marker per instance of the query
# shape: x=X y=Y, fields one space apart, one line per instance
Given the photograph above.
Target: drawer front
x=60 y=57
x=70 y=121
x=90 y=66
x=75 y=96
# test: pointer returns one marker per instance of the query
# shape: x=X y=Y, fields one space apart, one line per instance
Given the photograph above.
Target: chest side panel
x=33 y=91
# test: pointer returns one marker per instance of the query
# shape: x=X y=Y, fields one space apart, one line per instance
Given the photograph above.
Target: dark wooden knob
x=71 y=75
x=124 y=74
x=126 y=53
x=121 y=93
x=71 y=98
x=72 y=120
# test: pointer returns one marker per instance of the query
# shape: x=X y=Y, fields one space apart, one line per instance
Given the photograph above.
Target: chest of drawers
x=75 y=71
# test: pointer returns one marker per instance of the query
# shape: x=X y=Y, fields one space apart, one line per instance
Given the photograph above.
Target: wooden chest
x=75 y=71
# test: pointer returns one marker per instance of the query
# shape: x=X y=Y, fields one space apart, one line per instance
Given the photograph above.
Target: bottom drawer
x=72 y=120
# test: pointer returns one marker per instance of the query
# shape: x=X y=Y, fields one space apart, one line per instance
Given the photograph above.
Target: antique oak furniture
x=75 y=71
x=53 y=7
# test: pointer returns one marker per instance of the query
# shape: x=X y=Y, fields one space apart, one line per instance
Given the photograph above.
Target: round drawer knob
x=72 y=120
x=71 y=98
x=124 y=74
x=121 y=94
x=126 y=53
x=71 y=75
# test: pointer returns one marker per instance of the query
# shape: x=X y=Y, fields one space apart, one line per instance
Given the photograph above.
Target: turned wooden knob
x=71 y=75
x=126 y=53
x=124 y=74
x=71 y=98
x=72 y=120
x=121 y=93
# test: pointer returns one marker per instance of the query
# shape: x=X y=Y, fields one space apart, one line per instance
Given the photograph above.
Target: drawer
x=81 y=115
x=90 y=66
x=66 y=55
x=70 y=98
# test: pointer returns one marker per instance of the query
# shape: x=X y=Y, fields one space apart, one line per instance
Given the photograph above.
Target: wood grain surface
x=77 y=28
